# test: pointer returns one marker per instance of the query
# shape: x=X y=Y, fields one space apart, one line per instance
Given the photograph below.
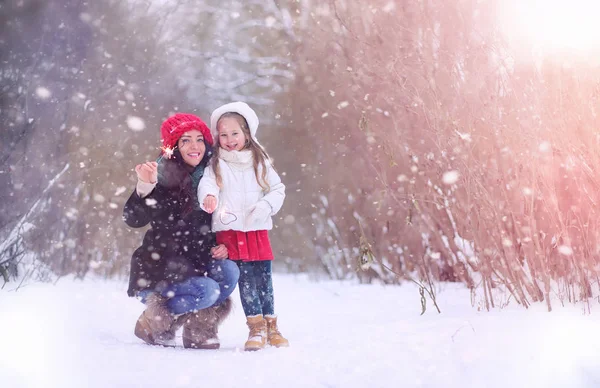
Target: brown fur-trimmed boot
x=274 y=337
x=201 y=329
x=156 y=325
x=258 y=333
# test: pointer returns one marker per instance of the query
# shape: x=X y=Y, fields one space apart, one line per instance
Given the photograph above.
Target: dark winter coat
x=177 y=245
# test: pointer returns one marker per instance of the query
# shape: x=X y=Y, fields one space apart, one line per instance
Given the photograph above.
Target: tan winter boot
x=258 y=333
x=156 y=325
x=274 y=337
x=201 y=329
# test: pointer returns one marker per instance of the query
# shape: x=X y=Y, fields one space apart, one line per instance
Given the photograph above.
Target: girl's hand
x=259 y=213
x=147 y=172
x=219 y=252
x=209 y=203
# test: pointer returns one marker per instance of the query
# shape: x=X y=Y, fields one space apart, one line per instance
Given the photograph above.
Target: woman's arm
x=136 y=212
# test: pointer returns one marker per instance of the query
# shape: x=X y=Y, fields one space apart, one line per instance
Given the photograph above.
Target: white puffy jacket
x=241 y=203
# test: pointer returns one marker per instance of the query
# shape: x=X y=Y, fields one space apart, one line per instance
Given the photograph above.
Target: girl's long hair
x=260 y=156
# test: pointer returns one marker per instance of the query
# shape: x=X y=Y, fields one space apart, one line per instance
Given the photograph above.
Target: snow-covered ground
x=80 y=334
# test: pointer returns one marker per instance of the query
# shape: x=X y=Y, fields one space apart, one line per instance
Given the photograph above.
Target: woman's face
x=191 y=146
x=231 y=136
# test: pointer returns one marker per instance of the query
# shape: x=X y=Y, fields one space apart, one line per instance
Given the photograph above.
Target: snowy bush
x=461 y=163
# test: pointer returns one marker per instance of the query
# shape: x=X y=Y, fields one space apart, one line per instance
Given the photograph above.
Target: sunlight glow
x=554 y=26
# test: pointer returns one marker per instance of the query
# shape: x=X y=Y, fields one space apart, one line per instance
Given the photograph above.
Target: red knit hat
x=175 y=126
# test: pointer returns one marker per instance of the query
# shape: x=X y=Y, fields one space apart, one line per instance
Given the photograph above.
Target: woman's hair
x=260 y=156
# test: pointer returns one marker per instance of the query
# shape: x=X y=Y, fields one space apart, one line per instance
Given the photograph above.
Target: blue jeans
x=200 y=292
x=256 y=287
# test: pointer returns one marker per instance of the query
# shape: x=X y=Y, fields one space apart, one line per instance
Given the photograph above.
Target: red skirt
x=246 y=246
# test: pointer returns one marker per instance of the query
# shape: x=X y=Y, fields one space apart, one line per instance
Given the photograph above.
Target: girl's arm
x=208 y=186
x=276 y=194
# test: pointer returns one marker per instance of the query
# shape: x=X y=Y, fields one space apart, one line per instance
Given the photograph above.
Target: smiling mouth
x=194 y=155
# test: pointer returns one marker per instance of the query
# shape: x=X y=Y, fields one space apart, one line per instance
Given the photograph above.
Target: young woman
x=179 y=272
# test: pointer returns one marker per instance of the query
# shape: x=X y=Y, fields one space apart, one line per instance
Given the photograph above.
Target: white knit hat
x=237 y=107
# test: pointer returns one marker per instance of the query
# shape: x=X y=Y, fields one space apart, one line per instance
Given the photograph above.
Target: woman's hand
x=147 y=172
x=219 y=252
x=209 y=203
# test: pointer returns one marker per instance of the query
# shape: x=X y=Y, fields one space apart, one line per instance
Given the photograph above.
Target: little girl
x=244 y=189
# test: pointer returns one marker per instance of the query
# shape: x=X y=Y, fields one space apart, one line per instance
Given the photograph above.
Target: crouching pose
x=180 y=272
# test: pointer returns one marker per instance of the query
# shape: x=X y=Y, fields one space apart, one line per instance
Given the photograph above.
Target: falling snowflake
x=270 y=21
x=43 y=93
x=135 y=123
x=464 y=136
x=565 y=250
x=544 y=146
x=389 y=7
x=95 y=264
x=450 y=177
x=85 y=17
x=142 y=282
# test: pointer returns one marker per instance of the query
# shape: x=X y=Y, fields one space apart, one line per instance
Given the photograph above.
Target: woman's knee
x=213 y=294
x=232 y=271
x=224 y=271
x=202 y=287
x=204 y=284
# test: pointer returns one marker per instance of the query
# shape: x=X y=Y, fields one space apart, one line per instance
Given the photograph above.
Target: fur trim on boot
x=200 y=329
x=156 y=325
x=223 y=310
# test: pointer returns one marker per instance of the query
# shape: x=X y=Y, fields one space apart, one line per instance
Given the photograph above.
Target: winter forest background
x=419 y=140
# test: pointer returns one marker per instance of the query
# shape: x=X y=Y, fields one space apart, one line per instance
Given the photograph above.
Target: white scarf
x=240 y=160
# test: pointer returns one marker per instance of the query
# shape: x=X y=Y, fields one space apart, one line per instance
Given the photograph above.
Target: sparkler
x=167 y=151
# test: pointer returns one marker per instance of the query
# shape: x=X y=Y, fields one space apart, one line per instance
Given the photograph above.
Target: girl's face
x=191 y=146
x=231 y=136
